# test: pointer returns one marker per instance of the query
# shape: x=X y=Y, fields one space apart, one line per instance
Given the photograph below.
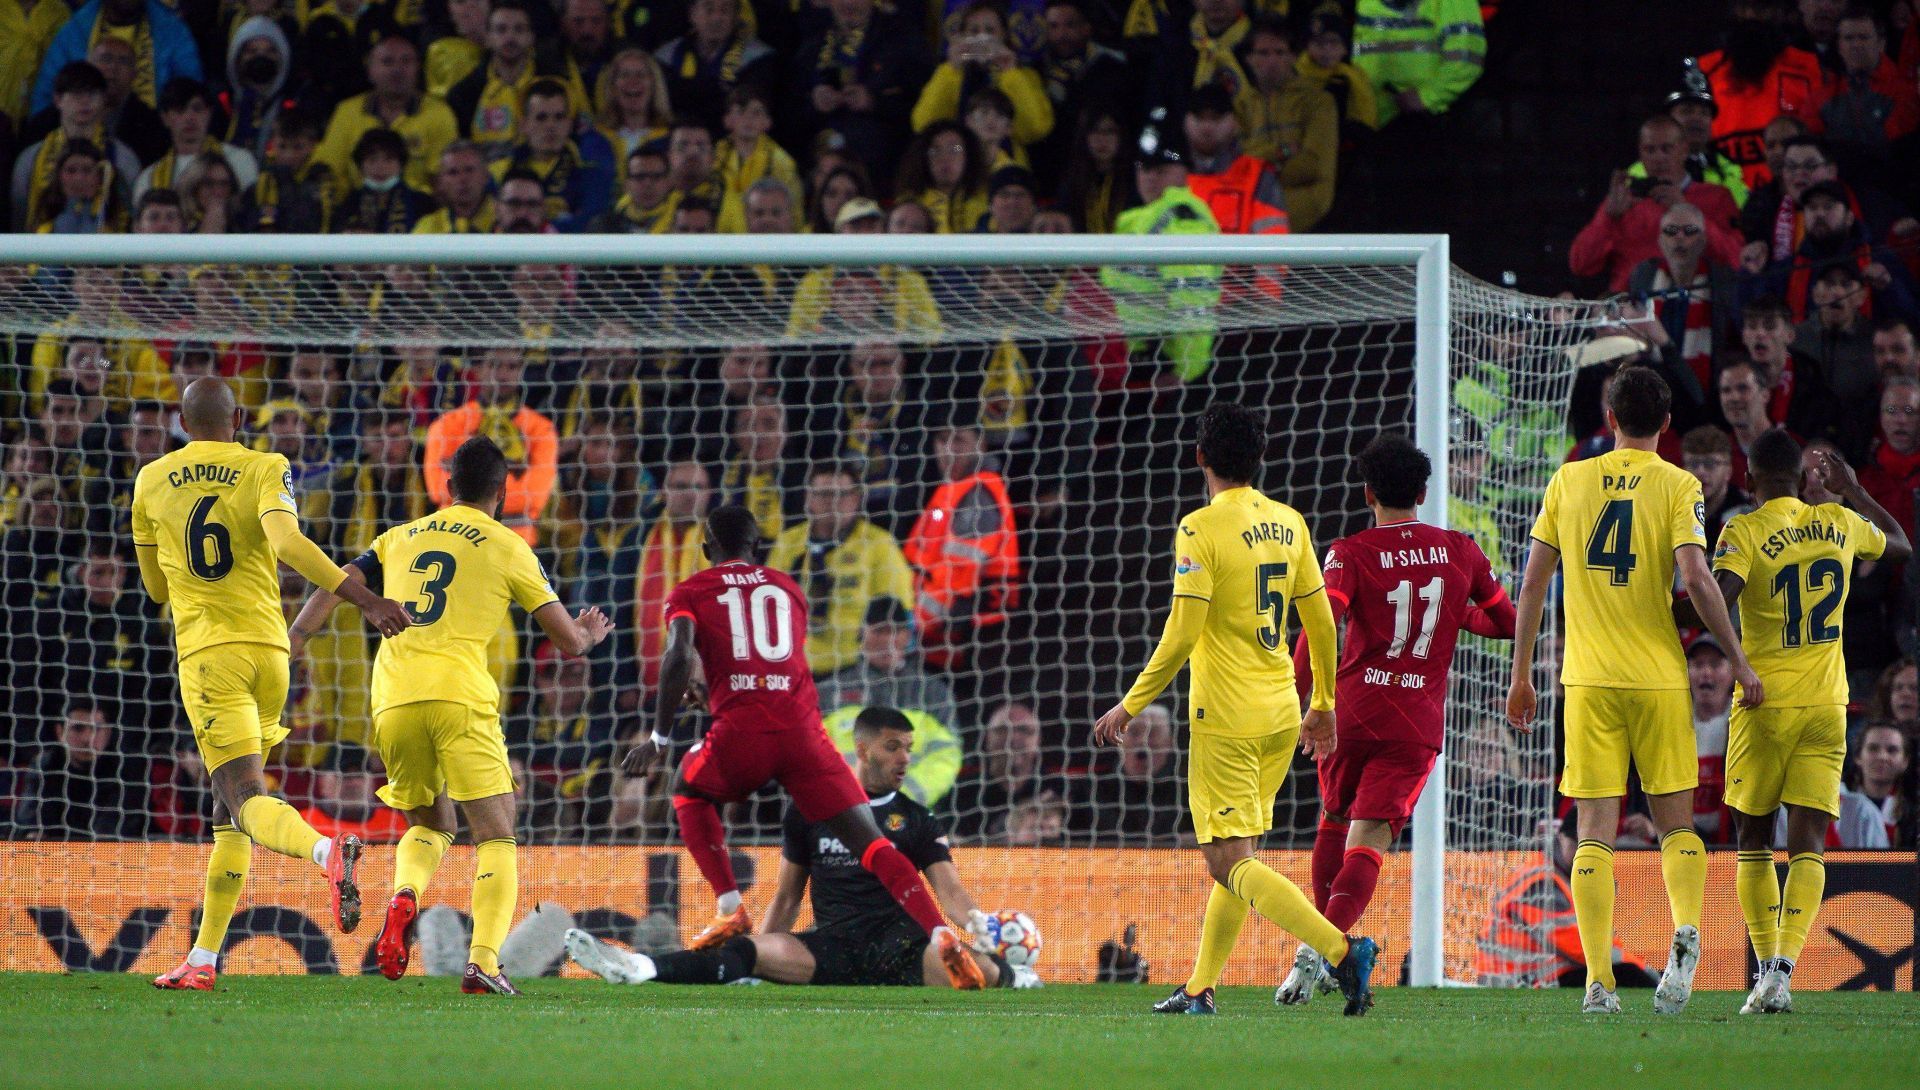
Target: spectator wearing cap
x=1874 y=105
x=1010 y=202
x=1710 y=681
x=1707 y=453
x=1325 y=65
x=1078 y=74
x=383 y=203
x=575 y=169
x=945 y=170
x=844 y=563
x=344 y=799
x=80 y=100
x=337 y=38
x=1243 y=192
x=1835 y=235
x=163 y=46
x=1838 y=338
x=396 y=102
x=860 y=216
x=1287 y=122
x=487 y=103
x=1421 y=54
x=259 y=60
x=858 y=78
x=460 y=184
x=717 y=56
x=647 y=198
x=1692 y=108
x=84 y=786
x=186 y=109
x=980 y=54
x=1625 y=229
x=1142 y=293
x=1756 y=78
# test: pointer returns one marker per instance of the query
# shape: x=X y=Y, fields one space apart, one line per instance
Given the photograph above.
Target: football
x=1015 y=936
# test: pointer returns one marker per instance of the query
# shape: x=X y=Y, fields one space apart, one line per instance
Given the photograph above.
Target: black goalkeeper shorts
x=869 y=951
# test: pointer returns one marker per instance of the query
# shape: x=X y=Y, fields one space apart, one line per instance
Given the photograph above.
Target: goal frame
x=1427 y=255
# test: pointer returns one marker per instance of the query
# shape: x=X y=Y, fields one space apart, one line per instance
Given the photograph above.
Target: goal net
x=973 y=462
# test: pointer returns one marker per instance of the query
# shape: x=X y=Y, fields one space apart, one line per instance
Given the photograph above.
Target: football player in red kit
x=746 y=625
x=1406 y=590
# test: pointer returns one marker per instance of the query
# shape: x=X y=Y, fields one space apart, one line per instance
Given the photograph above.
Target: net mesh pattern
x=659 y=391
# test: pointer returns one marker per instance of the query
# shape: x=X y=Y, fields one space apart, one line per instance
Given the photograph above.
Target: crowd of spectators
x=1763 y=251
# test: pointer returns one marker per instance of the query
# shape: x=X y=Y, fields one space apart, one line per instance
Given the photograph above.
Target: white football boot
x=1599 y=1000
x=1025 y=977
x=609 y=963
x=1297 y=989
x=1676 y=982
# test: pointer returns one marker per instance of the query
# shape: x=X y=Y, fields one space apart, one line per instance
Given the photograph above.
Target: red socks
x=1352 y=887
x=885 y=862
x=701 y=832
x=1328 y=848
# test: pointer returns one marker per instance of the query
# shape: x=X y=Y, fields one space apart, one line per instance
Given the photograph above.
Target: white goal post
x=1379 y=292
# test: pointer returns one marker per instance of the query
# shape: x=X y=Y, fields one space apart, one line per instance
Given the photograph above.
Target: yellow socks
x=496 y=886
x=1226 y=912
x=226 y=877
x=1272 y=896
x=1800 y=902
x=1593 y=907
x=416 y=857
x=1683 y=863
x=274 y=825
x=1759 y=886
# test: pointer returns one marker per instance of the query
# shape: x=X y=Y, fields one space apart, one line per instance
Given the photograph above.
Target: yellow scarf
x=48 y=161
x=757 y=490
x=841 y=53
x=1004 y=390
x=140 y=37
x=167 y=166
x=497 y=423
x=1213 y=57
x=730 y=59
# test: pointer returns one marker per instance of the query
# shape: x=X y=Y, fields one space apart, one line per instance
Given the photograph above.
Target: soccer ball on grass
x=1014 y=936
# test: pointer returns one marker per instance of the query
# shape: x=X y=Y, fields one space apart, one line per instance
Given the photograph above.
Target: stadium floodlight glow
x=1336 y=335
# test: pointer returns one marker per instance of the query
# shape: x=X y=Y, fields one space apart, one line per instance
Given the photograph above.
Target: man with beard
x=1834 y=235
x=1757 y=77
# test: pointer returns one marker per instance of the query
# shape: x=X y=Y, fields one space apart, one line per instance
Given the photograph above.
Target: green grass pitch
x=340 y=1032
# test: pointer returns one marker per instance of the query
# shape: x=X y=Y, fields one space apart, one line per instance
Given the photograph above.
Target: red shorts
x=729 y=764
x=1368 y=779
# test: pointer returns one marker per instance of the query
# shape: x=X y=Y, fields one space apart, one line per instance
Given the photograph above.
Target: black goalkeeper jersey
x=841 y=888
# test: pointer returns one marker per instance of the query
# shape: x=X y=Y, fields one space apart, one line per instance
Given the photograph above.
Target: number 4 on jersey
x=1610 y=546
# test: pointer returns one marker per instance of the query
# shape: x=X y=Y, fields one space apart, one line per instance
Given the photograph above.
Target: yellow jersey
x=456 y=571
x=1795 y=558
x=201 y=507
x=1248 y=557
x=1616 y=521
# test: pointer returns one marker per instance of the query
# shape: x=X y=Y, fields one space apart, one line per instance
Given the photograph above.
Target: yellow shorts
x=1607 y=728
x=1232 y=782
x=1791 y=755
x=234 y=694
x=438 y=745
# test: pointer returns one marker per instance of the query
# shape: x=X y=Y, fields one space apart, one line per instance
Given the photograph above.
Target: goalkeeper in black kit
x=860 y=935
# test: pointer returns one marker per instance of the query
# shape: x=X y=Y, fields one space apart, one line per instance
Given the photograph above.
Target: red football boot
x=723 y=928
x=394 y=948
x=186 y=978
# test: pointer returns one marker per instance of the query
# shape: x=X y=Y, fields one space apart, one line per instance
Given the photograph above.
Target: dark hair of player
x=732 y=533
x=479 y=471
x=1233 y=439
x=1395 y=469
x=1775 y=456
x=1639 y=400
x=872 y=720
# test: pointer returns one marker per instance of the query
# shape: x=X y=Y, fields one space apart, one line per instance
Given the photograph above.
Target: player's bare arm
x=789 y=892
x=573 y=635
x=313 y=615
x=677 y=664
x=1730 y=585
x=944 y=878
x=1691 y=560
x=1840 y=479
x=298 y=552
x=1522 y=701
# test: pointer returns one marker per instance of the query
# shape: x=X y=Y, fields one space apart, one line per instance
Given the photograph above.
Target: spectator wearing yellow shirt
x=747 y=154
x=690 y=159
x=395 y=102
x=453 y=57
x=27 y=28
x=1326 y=66
x=487 y=103
x=981 y=56
x=647 y=199
x=946 y=171
x=461 y=185
x=1288 y=122
x=843 y=563
x=758 y=474
x=990 y=117
x=885 y=299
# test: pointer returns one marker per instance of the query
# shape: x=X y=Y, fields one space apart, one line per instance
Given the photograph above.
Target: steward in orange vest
x=964 y=550
x=1757 y=78
x=1243 y=192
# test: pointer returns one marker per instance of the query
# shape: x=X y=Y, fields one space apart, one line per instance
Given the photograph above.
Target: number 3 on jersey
x=765 y=619
x=434 y=590
x=1610 y=546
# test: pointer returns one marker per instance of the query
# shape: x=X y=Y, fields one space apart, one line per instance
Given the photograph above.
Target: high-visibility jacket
x=1235 y=196
x=1175 y=303
x=1796 y=85
x=528 y=440
x=1434 y=47
x=966 y=560
x=1533 y=936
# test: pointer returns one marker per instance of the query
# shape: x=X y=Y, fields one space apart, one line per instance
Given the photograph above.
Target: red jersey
x=750 y=627
x=1406 y=589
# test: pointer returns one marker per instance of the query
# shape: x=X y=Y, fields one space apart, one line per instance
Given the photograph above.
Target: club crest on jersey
x=1186 y=565
x=896 y=822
